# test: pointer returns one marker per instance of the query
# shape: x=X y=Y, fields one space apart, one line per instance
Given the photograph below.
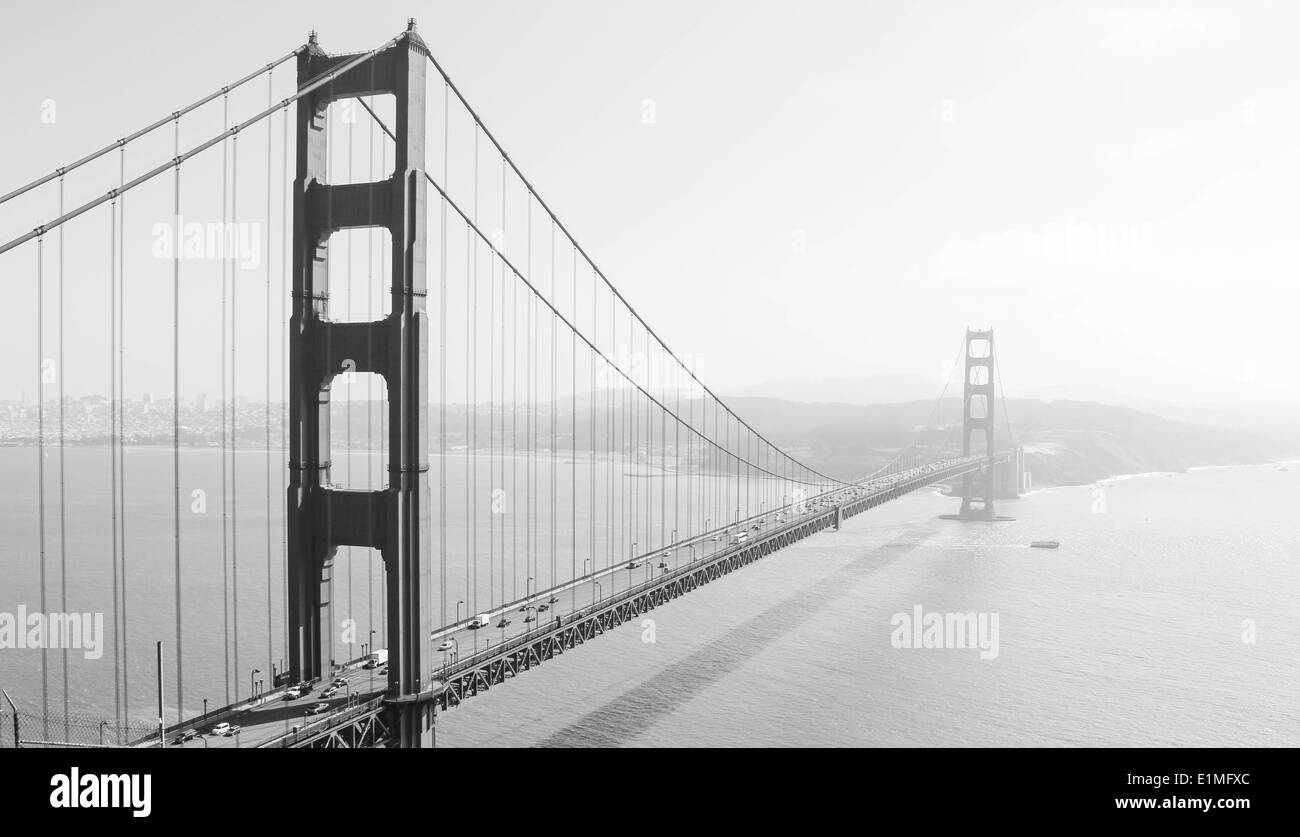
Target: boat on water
x=1045 y=544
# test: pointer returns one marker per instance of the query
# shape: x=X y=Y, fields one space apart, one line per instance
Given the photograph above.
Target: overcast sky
x=810 y=190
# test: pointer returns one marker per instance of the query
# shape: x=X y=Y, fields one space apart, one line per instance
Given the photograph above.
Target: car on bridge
x=233 y=729
x=219 y=729
x=448 y=644
x=480 y=621
x=330 y=691
x=319 y=709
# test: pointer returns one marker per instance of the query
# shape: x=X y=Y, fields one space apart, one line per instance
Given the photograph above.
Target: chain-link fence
x=6 y=728
x=37 y=729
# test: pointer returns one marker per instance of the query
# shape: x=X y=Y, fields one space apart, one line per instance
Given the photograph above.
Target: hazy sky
x=815 y=190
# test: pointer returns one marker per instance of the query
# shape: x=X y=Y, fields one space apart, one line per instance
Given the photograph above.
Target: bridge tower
x=321 y=517
x=978 y=417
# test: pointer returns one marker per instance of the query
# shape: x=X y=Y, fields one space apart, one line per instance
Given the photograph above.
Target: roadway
x=275 y=716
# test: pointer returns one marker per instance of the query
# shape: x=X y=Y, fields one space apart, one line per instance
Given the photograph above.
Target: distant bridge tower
x=978 y=417
x=393 y=520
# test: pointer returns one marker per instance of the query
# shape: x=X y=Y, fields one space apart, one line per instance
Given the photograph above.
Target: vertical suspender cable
x=573 y=435
x=226 y=271
x=591 y=436
x=63 y=504
x=176 y=429
x=530 y=529
x=490 y=522
x=384 y=244
x=514 y=436
x=112 y=452
x=501 y=405
x=40 y=467
x=266 y=315
x=347 y=420
x=609 y=439
x=554 y=461
x=472 y=461
x=442 y=376
x=121 y=422
x=286 y=237
x=329 y=359
x=469 y=411
x=234 y=423
x=370 y=343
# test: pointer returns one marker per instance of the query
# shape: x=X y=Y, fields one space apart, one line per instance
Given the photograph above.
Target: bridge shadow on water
x=638 y=709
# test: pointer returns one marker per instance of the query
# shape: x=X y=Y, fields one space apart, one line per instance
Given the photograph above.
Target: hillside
x=1066 y=442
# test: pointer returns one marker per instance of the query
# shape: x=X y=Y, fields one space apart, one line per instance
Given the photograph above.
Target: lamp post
x=252 y=684
x=458 y=604
x=600 y=591
x=455 y=645
x=102 y=724
x=372 y=651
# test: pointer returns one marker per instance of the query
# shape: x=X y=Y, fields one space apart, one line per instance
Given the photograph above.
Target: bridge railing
x=478 y=658
x=327 y=722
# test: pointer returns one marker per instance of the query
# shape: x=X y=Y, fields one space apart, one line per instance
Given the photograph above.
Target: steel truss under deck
x=491 y=668
x=370 y=724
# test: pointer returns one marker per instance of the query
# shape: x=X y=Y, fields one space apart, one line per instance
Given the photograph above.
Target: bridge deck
x=576 y=612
